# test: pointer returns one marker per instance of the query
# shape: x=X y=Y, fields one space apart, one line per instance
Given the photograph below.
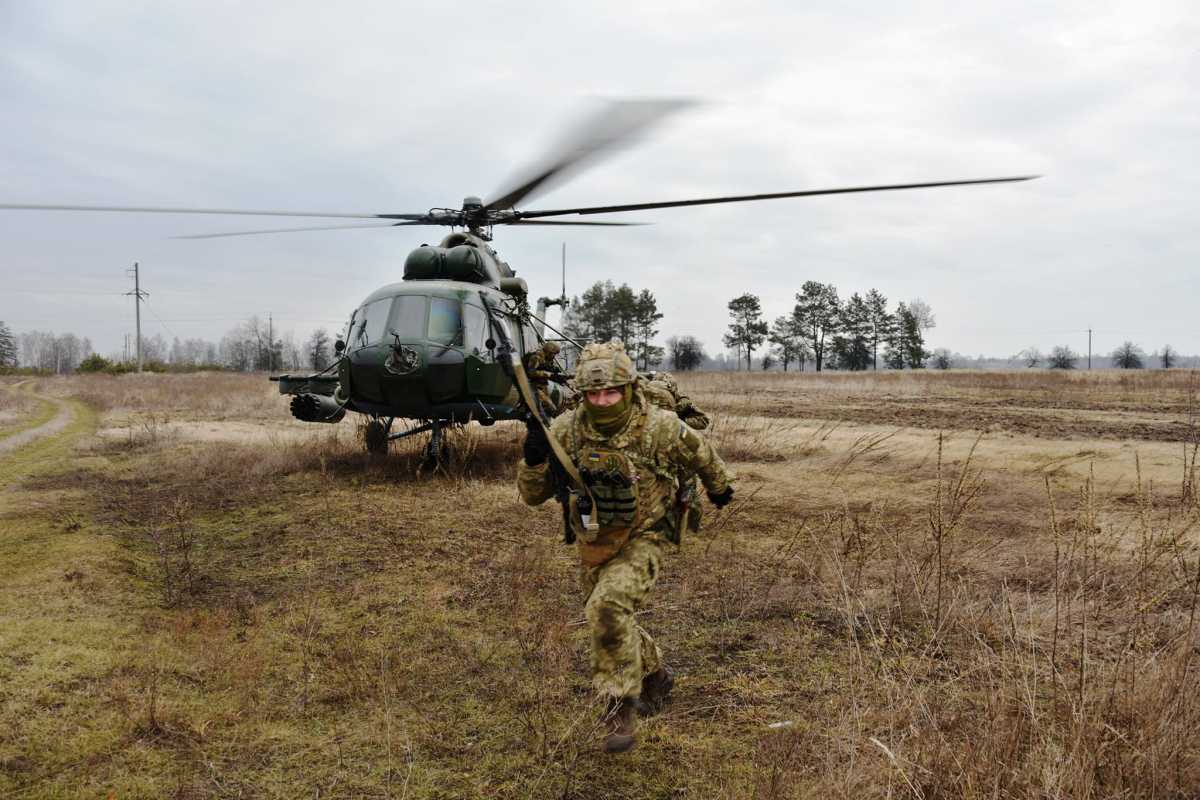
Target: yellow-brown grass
x=880 y=612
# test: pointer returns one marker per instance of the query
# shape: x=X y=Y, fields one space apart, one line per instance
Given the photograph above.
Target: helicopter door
x=485 y=375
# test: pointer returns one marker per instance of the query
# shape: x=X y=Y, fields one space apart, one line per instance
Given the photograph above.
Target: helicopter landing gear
x=376 y=435
x=437 y=451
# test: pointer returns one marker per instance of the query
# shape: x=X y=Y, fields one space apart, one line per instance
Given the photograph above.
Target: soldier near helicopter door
x=630 y=453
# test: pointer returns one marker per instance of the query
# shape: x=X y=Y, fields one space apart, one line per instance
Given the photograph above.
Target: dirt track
x=60 y=420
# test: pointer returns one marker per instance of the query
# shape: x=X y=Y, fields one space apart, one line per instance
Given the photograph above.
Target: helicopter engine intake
x=317 y=408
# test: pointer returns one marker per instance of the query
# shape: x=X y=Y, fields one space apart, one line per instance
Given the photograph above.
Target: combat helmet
x=604 y=366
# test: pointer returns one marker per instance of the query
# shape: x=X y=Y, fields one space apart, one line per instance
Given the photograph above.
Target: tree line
x=44 y=351
x=606 y=312
x=250 y=346
x=831 y=332
x=1127 y=356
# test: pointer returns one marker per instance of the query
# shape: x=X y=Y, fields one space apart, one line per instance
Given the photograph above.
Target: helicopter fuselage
x=431 y=347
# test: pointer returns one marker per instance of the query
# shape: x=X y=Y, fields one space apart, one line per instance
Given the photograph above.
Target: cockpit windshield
x=369 y=323
x=407 y=319
x=445 y=321
x=405 y=316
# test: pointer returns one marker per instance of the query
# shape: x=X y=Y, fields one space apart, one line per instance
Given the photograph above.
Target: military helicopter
x=449 y=342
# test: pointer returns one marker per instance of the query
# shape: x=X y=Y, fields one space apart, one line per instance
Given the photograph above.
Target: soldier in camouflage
x=630 y=454
x=662 y=390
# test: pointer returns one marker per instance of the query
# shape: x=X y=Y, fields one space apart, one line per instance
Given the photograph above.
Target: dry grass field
x=929 y=585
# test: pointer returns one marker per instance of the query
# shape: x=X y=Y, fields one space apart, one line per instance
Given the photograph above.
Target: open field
x=978 y=585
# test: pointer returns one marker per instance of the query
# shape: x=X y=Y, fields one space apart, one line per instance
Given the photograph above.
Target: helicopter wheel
x=438 y=453
x=375 y=436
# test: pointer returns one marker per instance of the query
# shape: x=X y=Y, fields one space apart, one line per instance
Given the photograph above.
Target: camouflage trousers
x=622 y=652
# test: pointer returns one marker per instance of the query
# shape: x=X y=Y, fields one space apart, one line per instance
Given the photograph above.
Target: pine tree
x=788 y=344
x=883 y=324
x=851 y=346
x=747 y=330
x=906 y=344
x=8 y=347
x=817 y=315
x=645 y=323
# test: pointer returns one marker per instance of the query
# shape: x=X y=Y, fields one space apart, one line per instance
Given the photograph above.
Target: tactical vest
x=631 y=486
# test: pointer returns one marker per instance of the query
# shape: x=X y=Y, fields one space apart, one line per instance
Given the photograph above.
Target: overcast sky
x=396 y=107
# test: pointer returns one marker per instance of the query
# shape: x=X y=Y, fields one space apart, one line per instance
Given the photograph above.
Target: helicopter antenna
x=553 y=329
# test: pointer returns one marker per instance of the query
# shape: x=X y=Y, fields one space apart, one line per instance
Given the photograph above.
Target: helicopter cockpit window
x=445 y=321
x=475 y=326
x=371 y=323
x=407 y=319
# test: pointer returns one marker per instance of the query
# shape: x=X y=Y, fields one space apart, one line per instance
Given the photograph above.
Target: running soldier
x=630 y=453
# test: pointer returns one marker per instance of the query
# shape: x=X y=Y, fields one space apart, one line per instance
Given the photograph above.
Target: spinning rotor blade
x=231 y=211
x=563 y=222
x=616 y=124
x=772 y=196
x=312 y=228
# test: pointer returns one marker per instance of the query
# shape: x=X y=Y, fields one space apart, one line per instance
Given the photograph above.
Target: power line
x=138 y=297
x=161 y=322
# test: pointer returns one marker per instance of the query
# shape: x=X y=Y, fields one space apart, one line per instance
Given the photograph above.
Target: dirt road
x=61 y=419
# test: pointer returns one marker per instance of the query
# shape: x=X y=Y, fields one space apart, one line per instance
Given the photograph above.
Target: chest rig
x=625 y=482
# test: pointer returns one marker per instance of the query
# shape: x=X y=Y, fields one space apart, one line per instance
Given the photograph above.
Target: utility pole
x=270 y=343
x=1089 y=348
x=138 y=296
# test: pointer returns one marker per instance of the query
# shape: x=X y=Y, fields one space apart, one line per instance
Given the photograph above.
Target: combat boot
x=621 y=717
x=656 y=691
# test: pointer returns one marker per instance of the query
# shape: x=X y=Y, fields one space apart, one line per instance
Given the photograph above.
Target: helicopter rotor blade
x=300 y=230
x=524 y=215
x=564 y=222
x=615 y=124
x=228 y=211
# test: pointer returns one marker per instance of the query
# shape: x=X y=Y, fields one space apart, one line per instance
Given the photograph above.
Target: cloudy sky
x=399 y=107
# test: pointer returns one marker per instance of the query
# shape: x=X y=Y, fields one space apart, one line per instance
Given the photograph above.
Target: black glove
x=536 y=448
x=721 y=499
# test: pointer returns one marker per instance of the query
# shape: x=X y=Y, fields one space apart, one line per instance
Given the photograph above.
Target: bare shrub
x=176 y=552
x=1077 y=685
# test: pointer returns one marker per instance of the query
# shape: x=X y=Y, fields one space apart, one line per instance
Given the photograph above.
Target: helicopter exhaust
x=317 y=408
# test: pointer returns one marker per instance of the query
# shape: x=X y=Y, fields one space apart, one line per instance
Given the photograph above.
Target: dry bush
x=15 y=403
x=964 y=680
x=765 y=439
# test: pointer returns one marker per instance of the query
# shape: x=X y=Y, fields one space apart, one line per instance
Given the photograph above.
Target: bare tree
x=1031 y=356
x=942 y=359
x=686 y=353
x=1168 y=356
x=317 y=349
x=1062 y=357
x=923 y=314
x=1128 y=356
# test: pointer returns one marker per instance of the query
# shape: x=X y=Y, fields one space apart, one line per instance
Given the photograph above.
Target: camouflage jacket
x=655 y=441
x=662 y=390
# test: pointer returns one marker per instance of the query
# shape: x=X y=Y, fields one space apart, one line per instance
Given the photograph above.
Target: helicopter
x=449 y=343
